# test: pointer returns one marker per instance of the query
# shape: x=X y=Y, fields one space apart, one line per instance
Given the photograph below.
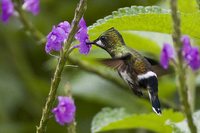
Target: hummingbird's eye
x=103 y=38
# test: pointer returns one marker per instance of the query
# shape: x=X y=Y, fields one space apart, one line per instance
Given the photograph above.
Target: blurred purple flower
x=82 y=36
x=193 y=59
x=166 y=54
x=190 y=54
x=32 y=6
x=65 y=110
x=186 y=45
x=57 y=36
x=7 y=9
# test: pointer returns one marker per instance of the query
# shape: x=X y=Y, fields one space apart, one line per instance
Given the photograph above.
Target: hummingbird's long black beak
x=93 y=42
x=90 y=43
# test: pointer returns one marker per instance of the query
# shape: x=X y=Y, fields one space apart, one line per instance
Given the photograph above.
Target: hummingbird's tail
x=155 y=102
x=153 y=94
x=149 y=81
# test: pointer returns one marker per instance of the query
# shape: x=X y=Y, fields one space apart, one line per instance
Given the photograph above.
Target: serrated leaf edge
x=130 y=11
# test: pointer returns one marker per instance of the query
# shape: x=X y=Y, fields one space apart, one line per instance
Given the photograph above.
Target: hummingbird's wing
x=160 y=71
x=151 y=61
x=157 y=68
x=115 y=63
x=119 y=64
x=112 y=63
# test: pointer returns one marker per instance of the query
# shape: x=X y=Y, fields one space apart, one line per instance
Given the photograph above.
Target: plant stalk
x=72 y=127
x=79 y=12
x=28 y=25
x=181 y=72
x=52 y=95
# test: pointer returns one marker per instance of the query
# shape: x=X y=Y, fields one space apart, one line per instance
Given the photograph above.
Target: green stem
x=79 y=12
x=60 y=66
x=191 y=89
x=52 y=94
x=72 y=127
x=28 y=25
x=181 y=72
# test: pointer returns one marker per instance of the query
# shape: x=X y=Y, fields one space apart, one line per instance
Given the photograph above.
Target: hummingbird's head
x=109 y=39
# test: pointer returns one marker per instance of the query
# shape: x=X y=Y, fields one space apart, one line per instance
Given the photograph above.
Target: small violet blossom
x=32 y=6
x=82 y=36
x=59 y=34
x=166 y=54
x=190 y=54
x=65 y=111
x=7 y=10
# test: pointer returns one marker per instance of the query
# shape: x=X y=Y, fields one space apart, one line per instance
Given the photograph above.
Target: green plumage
x=116 y=47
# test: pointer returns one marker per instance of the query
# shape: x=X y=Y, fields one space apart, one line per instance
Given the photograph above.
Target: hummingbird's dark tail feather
x=153 y=94
x=155 y=103
x=149 y=81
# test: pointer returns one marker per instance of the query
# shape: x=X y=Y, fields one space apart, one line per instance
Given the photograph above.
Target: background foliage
x=26 y=70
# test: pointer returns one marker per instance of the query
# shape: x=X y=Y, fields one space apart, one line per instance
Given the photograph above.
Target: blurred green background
x=26 y=71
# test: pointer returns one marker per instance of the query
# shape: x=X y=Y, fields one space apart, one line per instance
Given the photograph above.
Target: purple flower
x=32 y=6
x=191 y=54
x=65 y=110
x=7 y=9
x=166 y=54
x=193 y=59
x=65 y=26
x=57 y=36
x=186 y=45
x=82 y=36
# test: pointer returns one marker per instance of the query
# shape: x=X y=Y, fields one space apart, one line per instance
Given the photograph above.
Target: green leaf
x=153 y=19
x=107 y=116
x=141 y=43
x=133 y=40
x=110 y=120
x=188 y=6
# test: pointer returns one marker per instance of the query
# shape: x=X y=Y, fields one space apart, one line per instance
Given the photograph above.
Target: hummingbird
x=138 y=71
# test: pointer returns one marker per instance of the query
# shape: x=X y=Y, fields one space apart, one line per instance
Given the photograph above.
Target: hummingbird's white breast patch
x=99 y=42
x=147 y=75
